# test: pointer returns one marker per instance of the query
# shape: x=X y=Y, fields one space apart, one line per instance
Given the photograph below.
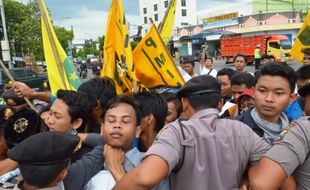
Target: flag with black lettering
x=153 y=63
x=302 y=41
x=118 y=63
x=166 y=26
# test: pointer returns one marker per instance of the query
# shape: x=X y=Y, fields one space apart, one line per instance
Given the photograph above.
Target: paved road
x=219 y=64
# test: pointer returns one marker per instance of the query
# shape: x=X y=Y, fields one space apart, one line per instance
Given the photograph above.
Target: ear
x=220 y=104
x=98 y=106
x=77 y=123
x=184 y=103
x=293 y=97
x=138 y=131
x=62 y=175
x=101 y=129
x=150 y=118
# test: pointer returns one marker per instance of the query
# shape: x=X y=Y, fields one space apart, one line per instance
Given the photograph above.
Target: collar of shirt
x=60 y=186
x=210 y=112
x=132 y=159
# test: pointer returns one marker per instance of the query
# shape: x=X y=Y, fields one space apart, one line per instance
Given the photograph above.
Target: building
x=185 y=14
x=276 y=5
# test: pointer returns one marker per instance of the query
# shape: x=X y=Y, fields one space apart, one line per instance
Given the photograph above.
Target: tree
x=24 y=26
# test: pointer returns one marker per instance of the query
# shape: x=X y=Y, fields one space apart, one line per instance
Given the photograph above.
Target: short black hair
x=306 y=51
x=241 y=55
x=303 y=73
x=226 y=71
x=126 y=100
x=172 y=97
x=151 y=102
x=102 y=89
x=265 y=56
x=274 y=69
x=78 y=106
x=41 y=176
x=243 y=78
x=210 y=58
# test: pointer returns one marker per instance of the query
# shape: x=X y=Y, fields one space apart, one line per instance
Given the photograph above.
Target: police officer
x=287 y=157
x=213 y=152
x=44 y=165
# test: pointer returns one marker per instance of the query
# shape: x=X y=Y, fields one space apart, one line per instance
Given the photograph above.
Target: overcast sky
x=88 y=17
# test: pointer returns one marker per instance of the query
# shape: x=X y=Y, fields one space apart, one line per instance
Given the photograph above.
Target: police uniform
x=210 y=153
x=292 y=153
x=11 y=99
x=36 y=151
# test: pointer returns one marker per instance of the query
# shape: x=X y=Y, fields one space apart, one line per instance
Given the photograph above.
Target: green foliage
x=24 y=29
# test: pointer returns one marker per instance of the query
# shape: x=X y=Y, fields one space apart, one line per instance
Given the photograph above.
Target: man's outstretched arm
x=150 y=172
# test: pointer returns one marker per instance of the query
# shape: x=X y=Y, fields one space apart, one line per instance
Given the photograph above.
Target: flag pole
x=8 y=74
x=53 y=45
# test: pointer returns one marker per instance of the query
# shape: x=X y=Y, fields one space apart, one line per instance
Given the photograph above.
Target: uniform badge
x=20 y=125
x=7 y=113
x=10 y=102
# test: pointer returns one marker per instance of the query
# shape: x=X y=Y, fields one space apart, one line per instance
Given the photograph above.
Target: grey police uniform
x=216 y=154
x=292 y=153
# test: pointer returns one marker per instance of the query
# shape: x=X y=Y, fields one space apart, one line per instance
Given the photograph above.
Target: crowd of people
x=225 y=129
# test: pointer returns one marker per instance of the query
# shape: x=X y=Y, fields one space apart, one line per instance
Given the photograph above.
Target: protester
x=274 y=87
x=174 y=106
x=188 y=66
x=246 y=101
x=119 y=129
x=206 y=67
x=240 y=62
x=224 y=75
x=153 y=112
x=304 y=92
x=240 y=82
x=204 y=146
x=99 y=91
x=306 y=58
x=265 y=59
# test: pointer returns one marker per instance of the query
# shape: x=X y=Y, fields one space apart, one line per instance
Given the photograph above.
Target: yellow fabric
x=153 y=64
x=166 y=26
x=302 y=40
x=118 y=63
x=56 y=58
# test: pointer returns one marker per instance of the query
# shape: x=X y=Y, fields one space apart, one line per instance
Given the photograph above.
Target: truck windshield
x=286 y=44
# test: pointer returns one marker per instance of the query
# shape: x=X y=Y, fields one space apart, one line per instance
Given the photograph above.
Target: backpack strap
x=210 y=71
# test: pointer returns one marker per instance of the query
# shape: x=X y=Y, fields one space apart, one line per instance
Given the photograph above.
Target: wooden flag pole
x=53 y=44
x=8 y=74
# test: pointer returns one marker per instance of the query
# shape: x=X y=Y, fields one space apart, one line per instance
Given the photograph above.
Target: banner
x=153 y=64
x=166 y=26
x=118 y=63
x=302 y=40
x=62 y=73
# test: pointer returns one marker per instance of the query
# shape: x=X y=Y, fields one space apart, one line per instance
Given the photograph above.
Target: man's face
x=307 y=105
x=189 y=68
x=225 y=85
x=59 y=119
x=208 y=63
x=120 y=126
x=272 y=94
x=302 y=82
x=240 y=64
x=306 y=59
x=172 y=114
x=237 y=90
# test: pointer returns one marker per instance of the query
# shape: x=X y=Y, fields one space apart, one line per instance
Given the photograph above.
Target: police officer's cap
x=200 y=85
x=45 y=148
x=22 y=125
x=11 y=99
x=305 y=90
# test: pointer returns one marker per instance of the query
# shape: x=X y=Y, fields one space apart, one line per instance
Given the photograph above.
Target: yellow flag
x=62 y=73
x=153 y=64
x=166 y=26
x=118 y=63
x=302 y=40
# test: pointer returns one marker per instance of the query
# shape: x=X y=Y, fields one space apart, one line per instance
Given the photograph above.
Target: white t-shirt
x=206 y=71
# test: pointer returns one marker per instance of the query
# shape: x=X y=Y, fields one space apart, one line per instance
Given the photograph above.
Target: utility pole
x=5 y=42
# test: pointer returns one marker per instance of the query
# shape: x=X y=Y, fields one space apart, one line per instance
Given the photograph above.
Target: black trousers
x=257 y=64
